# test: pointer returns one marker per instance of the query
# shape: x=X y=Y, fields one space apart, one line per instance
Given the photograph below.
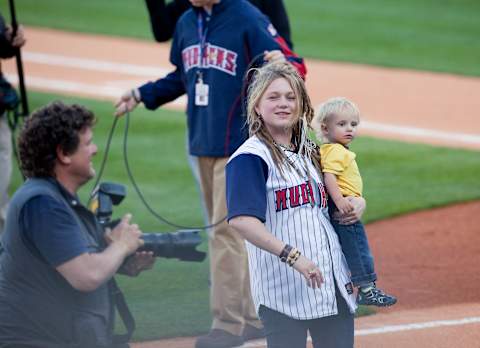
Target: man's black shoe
x=218 y=338
x=252 y=333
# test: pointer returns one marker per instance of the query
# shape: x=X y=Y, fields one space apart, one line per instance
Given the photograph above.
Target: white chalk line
x=97 y=91
x=94 y=64
x=416 y=326
x=112 y=92
x=394 y=328
x=420 y=132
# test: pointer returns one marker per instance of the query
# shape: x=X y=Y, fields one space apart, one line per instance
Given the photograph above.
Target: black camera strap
x=124 y=312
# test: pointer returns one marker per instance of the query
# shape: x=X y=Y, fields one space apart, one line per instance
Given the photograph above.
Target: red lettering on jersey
x=323 y=195
x=190 y=57
x=203 y=62
x=305 y=195
x=195 y=55
x=185 y=60
x=212 y=56
x=230 y=62
x=310 y=192
x=294 y=196
x=281 y=199
x=220 y=57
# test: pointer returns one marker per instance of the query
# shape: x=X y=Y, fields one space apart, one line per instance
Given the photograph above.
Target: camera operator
x=57 y=264
x=8 y=47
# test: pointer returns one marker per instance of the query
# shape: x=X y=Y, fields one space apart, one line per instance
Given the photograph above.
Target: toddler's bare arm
x=343 y=205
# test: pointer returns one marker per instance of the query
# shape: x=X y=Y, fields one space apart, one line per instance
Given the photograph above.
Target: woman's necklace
x=301 y=168
x=289 y=147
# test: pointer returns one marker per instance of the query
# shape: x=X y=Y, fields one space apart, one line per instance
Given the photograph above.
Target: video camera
x=180 y=244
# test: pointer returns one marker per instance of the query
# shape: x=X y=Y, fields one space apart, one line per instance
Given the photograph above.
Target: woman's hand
x=359 y=204
x=310 y=271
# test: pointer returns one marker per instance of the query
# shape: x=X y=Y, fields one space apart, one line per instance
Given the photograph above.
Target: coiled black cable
x=140 y=194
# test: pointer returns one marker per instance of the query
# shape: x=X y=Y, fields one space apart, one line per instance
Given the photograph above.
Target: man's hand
x=19 y=39
x=138 y=262
x=128 y=101
x=126 y=235
x=275 y=56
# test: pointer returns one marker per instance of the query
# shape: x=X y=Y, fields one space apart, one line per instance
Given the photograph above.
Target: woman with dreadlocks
x=276 y=200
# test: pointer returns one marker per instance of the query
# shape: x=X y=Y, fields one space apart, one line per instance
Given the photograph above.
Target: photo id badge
x=201 y=94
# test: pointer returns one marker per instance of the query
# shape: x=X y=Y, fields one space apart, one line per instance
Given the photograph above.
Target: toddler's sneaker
x=374 y=297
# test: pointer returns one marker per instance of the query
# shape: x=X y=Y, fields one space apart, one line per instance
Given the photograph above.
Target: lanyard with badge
x=201 y=88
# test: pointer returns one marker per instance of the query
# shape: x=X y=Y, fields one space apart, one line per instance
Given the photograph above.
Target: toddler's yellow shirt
x=338 y=160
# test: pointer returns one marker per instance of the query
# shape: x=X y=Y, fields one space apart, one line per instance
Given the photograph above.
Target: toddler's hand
x=344 y=206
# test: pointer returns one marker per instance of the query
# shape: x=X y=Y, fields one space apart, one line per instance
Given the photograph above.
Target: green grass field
x=440 y=35
x=172 y=300
x=437 y=35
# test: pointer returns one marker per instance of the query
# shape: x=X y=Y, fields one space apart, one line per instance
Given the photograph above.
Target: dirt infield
x=427 y=258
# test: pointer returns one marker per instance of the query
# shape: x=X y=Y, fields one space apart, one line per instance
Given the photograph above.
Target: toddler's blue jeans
x=357 y=252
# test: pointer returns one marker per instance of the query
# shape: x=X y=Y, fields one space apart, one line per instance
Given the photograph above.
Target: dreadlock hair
x=262 y=78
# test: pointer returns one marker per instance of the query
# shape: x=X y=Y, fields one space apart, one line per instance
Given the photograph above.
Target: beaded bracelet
x=285 y=252
x=293 y=257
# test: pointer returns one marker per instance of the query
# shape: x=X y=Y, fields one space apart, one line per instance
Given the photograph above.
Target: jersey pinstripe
x=296 y=214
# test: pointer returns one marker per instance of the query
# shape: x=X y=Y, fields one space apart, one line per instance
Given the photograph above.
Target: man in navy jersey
x=164 y=16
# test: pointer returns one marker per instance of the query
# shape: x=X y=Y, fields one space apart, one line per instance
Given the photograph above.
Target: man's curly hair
x=52 y=126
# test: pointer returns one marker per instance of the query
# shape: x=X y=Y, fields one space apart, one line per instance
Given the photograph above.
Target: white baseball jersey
x=296 y=213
